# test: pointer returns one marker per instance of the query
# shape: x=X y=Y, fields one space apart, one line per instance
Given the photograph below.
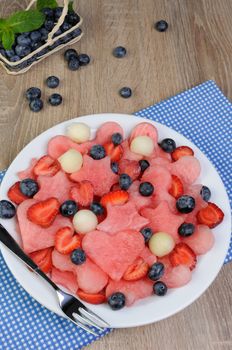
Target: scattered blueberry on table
x=32 y=93
x=119 y=52
x=55 y=99
x=125 y=92
x=83 y=59
x=36 y=105
x=161 y=26
x=53 y=82
x=70 y=53
x=73 y=63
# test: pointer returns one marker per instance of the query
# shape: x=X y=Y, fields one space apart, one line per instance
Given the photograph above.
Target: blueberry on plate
x=185 y=204
x=146 y=189
x=97 y=208
x=55 y=99
x=116 y=301
x=161 y=26
x=205 y=193
x=116 y=138
x=125 y=181
x=147 y=233
x=73 y=63
x=160 y=288
x=36 y=105
x=23 y=39
x=68 y=208
x=97 y=152
x=83 y=59
x=52 y=82
x=78 y=256
x=22 y=50
x=125 y=92
x=29 y=187
x=144 y=164
x=70 y=53
x=114 y=167
x=156 y=271
x=7 y=209
x=168 y=145
x=186 y=229
x=119 y=52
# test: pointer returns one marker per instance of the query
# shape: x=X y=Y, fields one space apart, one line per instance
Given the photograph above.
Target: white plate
x=151 y=309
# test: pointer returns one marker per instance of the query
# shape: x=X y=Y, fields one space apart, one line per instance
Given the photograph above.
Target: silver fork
x=72 y=308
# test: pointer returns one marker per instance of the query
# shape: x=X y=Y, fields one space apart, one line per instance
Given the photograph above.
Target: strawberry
x=91 y=298
x=65 y=242
x=114 y=152
x=211 y=215
x=46 y=166
x=15 y=195
x=177 y=188
x=136 y=271
x=114 y=198
x=43 y=258
x=181 y=152
x=82 y=193
x=182 y=254
x=130 y=167
x=43 y=213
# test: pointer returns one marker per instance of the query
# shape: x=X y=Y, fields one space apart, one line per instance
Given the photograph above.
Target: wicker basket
x=54 y=43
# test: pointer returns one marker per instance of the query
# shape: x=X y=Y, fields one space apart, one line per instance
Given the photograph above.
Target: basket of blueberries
x=29 y=36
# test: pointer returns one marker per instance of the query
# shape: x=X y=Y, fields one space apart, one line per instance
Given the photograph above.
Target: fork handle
x=13 y=246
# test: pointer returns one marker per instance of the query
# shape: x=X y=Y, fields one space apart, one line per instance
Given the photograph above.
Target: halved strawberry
x=82 y=193
x=43 y=213
x=130 y=167
x=114 y=152
x=211 y=215
x=177 y=188
x=114 y=198
x=91 y=298
x=181 y=152
x=65 y=241
x=46 y=166
x=43 y=258
x=15 y=195
x=136 y=271
x=182 y=254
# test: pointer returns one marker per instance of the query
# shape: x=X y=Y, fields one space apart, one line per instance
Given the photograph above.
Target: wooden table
x=196 y=47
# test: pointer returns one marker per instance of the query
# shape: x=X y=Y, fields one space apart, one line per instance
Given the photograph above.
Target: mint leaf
x=70 y=6
x=41 y=4
x=8 y=38
x=25 y=21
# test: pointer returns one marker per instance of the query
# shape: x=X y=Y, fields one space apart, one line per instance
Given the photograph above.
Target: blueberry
x=73 y=63
x=161 y=26
x=65 y=26
x=97 y=208
x=44 y=33
x=35 y=45
x=83 y=59
x=125 y=181
x=168 y=145
x=114 y=167
x=35 y=36
x=117 y=138
x=76 y=32
x=29 y=187
x=116 y=301
x=15 y=58
x=160 y=288
x=185 y=204
x=48 y=24
x=156 y=271
x=186 y=229
x=205 y=193
x=73 y=18
x=125 y=92
x=146 y=189
x=7 y=210
x=119 y=52
x=48 y=12
x=70 y=53
x=58 y=32
x=144 y=164
x=58 y=12
x=22 y=50
x=3 y=52
x=68 y=208
x=55 y=99
x=67 y=38
x=23 y=40
x=78 y=256
x=36 y=105
x=97 y=152
x=10 y=53
x=147 y=233
x=33 y=93
x=52 y=82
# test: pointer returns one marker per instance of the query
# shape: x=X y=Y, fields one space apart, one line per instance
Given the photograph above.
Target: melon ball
x=79 y=132
x=161 y=244
x=143 y=145
x=71 y=161
x=85 y=221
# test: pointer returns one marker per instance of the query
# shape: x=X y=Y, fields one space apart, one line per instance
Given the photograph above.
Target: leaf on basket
x=7 y=37
x=70 y=6
x=25 y=21
x=41 y=4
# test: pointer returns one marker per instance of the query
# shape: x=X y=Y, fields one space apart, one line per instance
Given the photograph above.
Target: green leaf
x=2 y=24
x=25 y=21
x=70 y=6
x=8 y=39
x=41 y=4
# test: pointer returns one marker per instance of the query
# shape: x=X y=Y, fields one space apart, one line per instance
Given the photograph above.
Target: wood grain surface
x=196 y=47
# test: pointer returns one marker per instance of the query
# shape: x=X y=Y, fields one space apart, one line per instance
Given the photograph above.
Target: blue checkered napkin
x=25 y=324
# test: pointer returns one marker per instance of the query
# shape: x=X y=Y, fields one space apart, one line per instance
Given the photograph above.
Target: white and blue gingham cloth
x=202 y=114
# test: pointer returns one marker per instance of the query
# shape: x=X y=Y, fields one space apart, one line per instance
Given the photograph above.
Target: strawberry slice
x=114 y=152
x=46 y=166
x=130 y=167
x=15 y=195
x=182 y=254
x=43 y=258
x=177 y=188
x=65 y=241
x=114 y=198
x=43 y=213
x=136 y=271
x=181 y=152
x=91 y=298
x=82 y=193
x=211 y=215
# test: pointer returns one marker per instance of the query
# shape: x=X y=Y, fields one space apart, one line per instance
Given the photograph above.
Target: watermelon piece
x=162 y=195
x=34 y=237
x=144 y=129
x=201 y=241
x=136 y=198
x=133 y=290
x=177 y=276
x=60 y=144
x=62 y=262
x=148 y=257
x=127 y=154
x=187 y=168
x=57 y=186
x=113 y=254
x=161 y=154
x=105 y=132
x=102 y=178
x=130 y=167
x=159 y=161
x=66 y=279
x=162 y=219
x=122 y=217
x=159 y=177
x=28 y=173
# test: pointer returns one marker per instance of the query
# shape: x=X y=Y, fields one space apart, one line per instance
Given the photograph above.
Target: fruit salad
x=114 y=219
